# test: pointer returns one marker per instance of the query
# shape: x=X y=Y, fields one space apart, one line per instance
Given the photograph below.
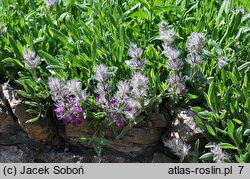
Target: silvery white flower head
x=82 y=97
x=3 y=29
x=102 y=89
x=123 y=86
x=240 y=10
x=220 y=156
x=139 y=80
x=174 y=79
x=102 y=74
x=163 y=25
x=195 y=42
x=178 y=147
x=132 y=108
x=51 y=3
x=55 y=84
x=123 y=90
x=136 y=64
x=134 y=51
x=171 y=52
x=73 y=86
x=168 y=36
x=174 y=65
x=30 y=59
x=194 y=59
x=222 y=62
x=57 y=89
x=139 y=83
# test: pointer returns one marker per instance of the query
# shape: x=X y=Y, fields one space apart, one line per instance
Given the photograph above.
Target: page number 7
x=241 y=168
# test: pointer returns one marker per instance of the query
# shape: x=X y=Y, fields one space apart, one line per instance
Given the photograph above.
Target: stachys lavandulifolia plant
x=179 y=148
x=69 y=100
x=31 y=61
x=174 y=64
x=195 y=45
x=127 y=102
x=136 y=63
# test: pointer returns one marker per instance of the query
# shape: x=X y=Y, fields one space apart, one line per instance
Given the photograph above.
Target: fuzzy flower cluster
x=31 y=60
x=51 y=3
x=219 y=155
x=178 y=147
x=3 y=29
x=174 y=63
x=167 y=35
x=125 y=102
x=222 y=62
x=195 y=44
x=136 y=63
x=69 y=99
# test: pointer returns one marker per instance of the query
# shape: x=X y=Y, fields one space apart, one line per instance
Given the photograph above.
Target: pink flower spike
x=119 y=122
x=183 y=88
x=79 y=109
x=58 y=111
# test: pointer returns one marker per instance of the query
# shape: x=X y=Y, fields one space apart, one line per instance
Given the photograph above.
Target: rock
x=11 y=154
x=184 y=126
x=36 y=131
x=160 y=157
x=143 y=135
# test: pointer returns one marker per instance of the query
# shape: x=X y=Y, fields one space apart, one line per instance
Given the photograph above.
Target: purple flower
x=169 y=89
x=58 y=111
x=68 y=97
x=183 y=88
x=67 y=120
x=73 y=101
x=114 y=102
x=75 y=119
x=111 y=114
x=101 y=100
x=119 y=122
x=79 y=109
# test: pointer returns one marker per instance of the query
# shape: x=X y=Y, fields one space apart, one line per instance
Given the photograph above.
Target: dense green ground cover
x=71 y=38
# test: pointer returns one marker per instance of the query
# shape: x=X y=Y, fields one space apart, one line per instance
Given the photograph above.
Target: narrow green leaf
x=210 y=130
x=230 y=126
x=227 y=146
